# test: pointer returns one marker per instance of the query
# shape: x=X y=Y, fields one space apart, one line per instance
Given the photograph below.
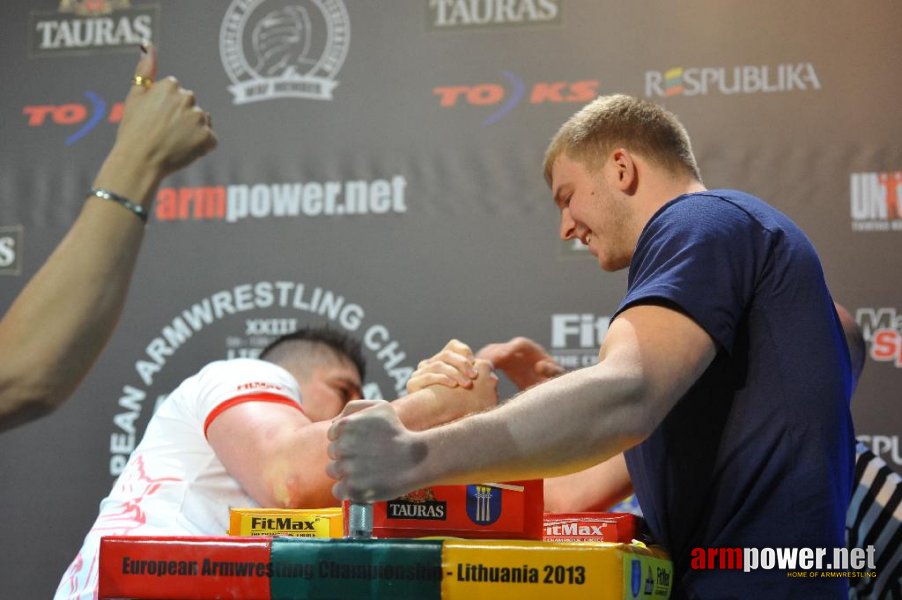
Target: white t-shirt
x=173 y=483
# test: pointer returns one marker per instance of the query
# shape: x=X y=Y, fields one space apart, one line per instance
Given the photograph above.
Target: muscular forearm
x=294 y=475
x=650 y=357
x=596 y=488
x=57 y=326
x=586 y=417
x=423 y=410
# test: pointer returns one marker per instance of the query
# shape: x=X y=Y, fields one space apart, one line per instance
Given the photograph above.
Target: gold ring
x=144 y=82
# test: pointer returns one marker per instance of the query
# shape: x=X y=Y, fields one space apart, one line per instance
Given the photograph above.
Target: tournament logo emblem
x=260 y=310
x=483 y=504
x=284 y=48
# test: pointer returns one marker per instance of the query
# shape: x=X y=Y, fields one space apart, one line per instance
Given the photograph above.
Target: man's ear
x=625 y=170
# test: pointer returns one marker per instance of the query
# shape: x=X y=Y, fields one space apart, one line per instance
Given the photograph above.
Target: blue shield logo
x=636 y=577
x=483 y=504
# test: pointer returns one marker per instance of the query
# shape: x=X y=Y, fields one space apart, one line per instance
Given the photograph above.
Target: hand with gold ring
x=161 y=122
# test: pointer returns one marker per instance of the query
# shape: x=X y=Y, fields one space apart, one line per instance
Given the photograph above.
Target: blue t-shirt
x=759 y=452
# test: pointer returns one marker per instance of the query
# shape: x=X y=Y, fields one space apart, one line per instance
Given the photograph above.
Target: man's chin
x=611 y=266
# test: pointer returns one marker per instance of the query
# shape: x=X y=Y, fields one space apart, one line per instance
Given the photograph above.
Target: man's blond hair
x=620 y=121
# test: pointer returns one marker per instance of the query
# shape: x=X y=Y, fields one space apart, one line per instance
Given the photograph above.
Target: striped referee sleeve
x=874 y=519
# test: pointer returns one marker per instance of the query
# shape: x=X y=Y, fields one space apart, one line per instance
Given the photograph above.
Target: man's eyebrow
x=351 y=383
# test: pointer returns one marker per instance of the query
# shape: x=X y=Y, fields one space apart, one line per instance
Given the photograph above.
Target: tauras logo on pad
x=420 y=505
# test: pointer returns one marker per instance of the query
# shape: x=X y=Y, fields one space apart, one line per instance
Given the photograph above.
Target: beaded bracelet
x=139 y=210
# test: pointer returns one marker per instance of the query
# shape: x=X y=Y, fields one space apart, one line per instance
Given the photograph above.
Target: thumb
x=147 y=64
x=338 y=423
x=359 y=405
x=484 y=367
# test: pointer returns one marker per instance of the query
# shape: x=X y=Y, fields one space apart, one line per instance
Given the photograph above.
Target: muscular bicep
x=662 y=347
x=266 y=447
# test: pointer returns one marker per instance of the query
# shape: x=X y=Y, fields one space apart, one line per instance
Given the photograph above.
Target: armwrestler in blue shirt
x=724 y=375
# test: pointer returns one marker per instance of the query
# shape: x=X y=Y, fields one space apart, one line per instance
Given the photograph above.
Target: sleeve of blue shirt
x=701 y=254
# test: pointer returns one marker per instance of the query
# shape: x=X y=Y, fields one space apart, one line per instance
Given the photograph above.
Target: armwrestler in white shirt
x=248 y=432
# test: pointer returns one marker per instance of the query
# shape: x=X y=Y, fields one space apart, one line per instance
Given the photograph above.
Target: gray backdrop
x=391 y=184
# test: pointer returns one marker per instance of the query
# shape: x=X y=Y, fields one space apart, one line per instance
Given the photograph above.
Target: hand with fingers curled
x=162 y=127
x=455 y=375
x=452 y=366
x=525 y=362
x=371 y=452
x=482 y=393
x=375 y=457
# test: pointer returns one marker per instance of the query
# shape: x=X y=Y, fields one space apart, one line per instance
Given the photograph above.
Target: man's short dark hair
x=313 y=339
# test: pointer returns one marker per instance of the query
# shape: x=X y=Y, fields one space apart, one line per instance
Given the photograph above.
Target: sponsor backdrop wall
x=379 y=169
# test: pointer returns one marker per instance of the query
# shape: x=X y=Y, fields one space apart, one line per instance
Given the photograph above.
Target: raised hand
x=162 y=127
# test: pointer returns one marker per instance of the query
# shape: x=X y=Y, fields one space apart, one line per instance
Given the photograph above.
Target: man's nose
x=568 y=225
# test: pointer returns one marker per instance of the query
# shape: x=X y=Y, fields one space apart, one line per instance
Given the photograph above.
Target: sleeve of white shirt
x=224 y=384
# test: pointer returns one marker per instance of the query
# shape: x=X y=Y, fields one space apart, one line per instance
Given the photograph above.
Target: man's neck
x=659 y=192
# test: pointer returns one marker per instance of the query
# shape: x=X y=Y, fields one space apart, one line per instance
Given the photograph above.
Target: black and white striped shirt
x=874 y=519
